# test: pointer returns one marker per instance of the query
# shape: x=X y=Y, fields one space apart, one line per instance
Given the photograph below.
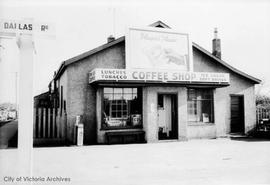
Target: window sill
x=122 y=128
x=200 y=124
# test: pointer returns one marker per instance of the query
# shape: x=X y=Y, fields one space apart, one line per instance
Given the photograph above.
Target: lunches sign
x=148 y=76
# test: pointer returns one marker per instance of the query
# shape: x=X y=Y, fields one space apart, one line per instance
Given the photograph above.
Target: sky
x=243 y=27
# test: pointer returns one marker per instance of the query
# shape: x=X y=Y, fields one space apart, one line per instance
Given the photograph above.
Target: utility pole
x=1 y=47
x=16 y=94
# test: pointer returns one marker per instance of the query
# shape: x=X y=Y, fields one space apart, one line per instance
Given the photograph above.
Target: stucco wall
x=238 y=85
x=81 y=95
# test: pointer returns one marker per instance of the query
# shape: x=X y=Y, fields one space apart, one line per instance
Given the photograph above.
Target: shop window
x=200 y=106
x=122 y=108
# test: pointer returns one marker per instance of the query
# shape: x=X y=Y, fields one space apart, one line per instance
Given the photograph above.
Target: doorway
x=167 y=116
x=237 y=114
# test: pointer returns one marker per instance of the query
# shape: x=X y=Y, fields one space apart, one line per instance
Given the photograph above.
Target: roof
x=159 y=24
x=86 y=54
x=44 y=94
x=122 y=39
x=256 y=80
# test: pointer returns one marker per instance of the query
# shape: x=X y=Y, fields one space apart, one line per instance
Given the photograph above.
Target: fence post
x=64 y=125
x=39 y=122
x=49 y=123
x=44 y=122
x=35 y=122
x=58 y=125
x=53 y=122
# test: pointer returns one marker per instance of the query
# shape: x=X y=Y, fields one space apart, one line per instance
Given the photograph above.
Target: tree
x=263 y=101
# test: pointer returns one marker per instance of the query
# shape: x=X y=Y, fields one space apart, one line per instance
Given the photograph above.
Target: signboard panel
x=11 y=27
x=145 y=75
x=156 y=48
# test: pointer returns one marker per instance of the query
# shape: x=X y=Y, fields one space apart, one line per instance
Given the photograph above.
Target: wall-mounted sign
x=145 y=75
x=11 y=27
x=156 y=48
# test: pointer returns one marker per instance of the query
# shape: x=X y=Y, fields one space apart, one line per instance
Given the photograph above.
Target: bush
x=263 y=101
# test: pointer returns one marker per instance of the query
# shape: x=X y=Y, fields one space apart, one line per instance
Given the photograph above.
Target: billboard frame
x=157 y=30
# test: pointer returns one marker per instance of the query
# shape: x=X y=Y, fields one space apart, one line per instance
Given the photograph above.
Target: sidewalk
x=219 y=161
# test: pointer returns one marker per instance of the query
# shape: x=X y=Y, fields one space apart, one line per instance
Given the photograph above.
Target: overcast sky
x=243 y=26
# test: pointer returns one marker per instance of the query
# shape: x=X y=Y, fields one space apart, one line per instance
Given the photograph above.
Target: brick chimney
x=110 y=39
x=216 y=45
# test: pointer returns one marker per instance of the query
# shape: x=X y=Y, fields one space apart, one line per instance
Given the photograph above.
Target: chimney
x=110 y=39
x=216 y=45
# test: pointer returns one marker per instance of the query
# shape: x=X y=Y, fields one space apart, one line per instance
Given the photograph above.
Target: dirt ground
x=217 y=161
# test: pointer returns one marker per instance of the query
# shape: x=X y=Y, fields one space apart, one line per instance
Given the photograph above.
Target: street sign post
x=23 y=31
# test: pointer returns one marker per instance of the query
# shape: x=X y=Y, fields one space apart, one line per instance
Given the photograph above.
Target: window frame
x=103 y=127
x=198 y=123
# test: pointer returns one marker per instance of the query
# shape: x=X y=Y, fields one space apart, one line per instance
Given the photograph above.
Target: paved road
x=195 y=162
x=2 y=123
x=7 y=133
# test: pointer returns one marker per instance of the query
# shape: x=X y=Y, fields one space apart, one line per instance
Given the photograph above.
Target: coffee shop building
x=151 y=85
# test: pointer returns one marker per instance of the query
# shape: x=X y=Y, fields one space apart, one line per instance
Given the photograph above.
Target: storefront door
x=167 y=120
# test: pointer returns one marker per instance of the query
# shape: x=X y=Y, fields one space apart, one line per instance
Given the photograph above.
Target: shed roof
x=77 y=58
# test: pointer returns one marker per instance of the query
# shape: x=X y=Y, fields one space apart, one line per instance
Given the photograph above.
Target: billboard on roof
x=158 y=48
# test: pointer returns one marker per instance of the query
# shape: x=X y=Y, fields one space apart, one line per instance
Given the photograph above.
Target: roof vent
x=110 y=39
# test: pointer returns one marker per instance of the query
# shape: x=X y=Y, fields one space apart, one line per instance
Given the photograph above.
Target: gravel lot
x=218 y=161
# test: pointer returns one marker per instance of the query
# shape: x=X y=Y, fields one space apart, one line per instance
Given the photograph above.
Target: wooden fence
x=262 y=113
x=49 y=127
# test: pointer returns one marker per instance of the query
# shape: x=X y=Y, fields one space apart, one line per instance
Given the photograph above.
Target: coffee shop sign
x=143 y=75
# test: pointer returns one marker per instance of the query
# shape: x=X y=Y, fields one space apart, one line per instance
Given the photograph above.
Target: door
x=237 y=114
x=167 y=120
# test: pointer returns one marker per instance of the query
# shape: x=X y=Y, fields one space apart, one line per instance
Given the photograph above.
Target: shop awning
x=149 y=76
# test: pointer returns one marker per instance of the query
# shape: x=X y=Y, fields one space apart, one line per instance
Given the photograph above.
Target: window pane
x=107 y=107
x=114 y=107
x=206 y=111
x=192 y=111
x=113 y=114
x=128 y=90
x=108 y=90
x=134 y=90
x=206 y=94
x=118 y=90
x=200 y=105
x=118 y=114
x=122 y=107
x=108 y=96
x=118 y=96
x=128 y=96
x=191 y=94
x=134 y=96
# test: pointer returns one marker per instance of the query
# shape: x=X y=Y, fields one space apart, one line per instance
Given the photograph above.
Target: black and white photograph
x=119 y=92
